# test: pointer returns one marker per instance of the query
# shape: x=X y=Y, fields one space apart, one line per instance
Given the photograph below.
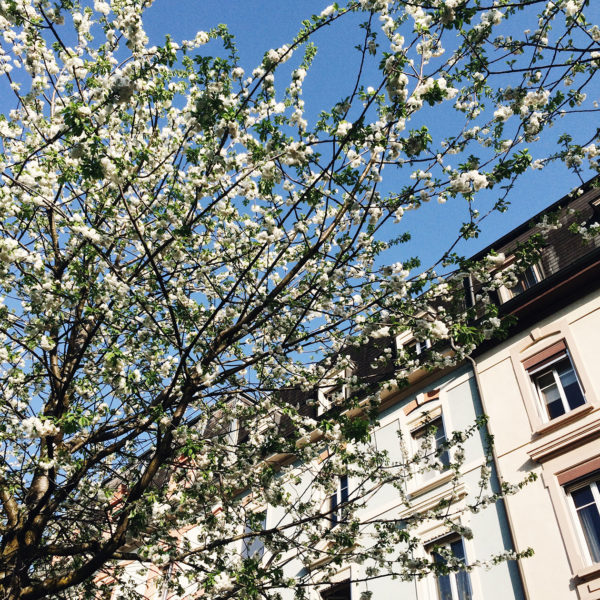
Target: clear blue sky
x=263 y=24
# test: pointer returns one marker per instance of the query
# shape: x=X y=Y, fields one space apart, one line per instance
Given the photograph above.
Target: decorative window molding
x=537 y=350
x=555 y=382
x=563 y=475
x=420 y=400
x=579 y=471
x=548 y=448
x=544 y=356
x=422 y=503
x=558 y=388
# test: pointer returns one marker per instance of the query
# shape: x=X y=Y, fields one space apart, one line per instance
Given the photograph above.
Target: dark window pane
x=440 y=440
x=526 y=279
x=444 y=587
x=461 y=580
x=570 y=384
x=433 y=436
x=339 y=591
x=458 y=549
x=339 y=497
x=550 y=394
x=529 y=278
x=583 y=496
x=555 y=408
x=463 y=585
x=590 y=522
x=333 y=504
x=344 y=489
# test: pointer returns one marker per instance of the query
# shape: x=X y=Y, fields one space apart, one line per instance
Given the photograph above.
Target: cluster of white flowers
x=279 y=55
x=327 y=11
x=34 y=427
x=572 y=7
x=533 y=100
x=102 y=7
x=10 y=251
x=496 y=260
x=422 y=19
x=469 y=181
x=502 y=113
x=343 y=128
x=427 y=86
x=438 y=330
x=492 y=17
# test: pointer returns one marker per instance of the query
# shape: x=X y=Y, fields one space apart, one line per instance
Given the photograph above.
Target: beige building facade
x=541 y=391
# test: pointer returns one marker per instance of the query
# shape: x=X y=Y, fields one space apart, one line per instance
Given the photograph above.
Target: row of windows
x=584 y=497
x=450 y=586
x=558 y=391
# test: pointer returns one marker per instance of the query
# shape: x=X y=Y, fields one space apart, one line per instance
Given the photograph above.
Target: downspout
x=499 y=478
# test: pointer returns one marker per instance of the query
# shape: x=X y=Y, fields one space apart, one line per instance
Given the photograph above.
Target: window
x=431 y=438
x=556 y=385
x=253 y=546
x=337 y=499
x=585 y=498
x=415 y=348
x=526 y=279
x=339 y=591
x=333 y=396
x=521 y=281
x=451 y=585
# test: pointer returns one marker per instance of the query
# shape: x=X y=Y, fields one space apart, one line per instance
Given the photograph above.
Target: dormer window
x=416 y=347
x=526 y=279
x=522 y=280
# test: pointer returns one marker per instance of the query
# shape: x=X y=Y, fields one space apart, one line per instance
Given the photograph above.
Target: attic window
x=416 y=347
x=527 y=279
x=523 y=280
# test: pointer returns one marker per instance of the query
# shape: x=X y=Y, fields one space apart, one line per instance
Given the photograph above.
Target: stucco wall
x=540 y=514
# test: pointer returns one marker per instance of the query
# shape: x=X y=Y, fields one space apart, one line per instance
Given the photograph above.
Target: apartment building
x=539 y=387
x=541 y=391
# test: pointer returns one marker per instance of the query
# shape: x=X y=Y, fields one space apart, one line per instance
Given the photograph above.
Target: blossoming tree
x=184 y=258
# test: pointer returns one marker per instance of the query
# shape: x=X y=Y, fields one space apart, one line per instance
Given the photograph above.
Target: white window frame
x=333 y=516
x=420 y=345
x=244 y=548
x=541 y=405
x=538 y=273
x=594 y=483
x=452 y=576
x=430 y=414
x=505 y=293
x=326 y=392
